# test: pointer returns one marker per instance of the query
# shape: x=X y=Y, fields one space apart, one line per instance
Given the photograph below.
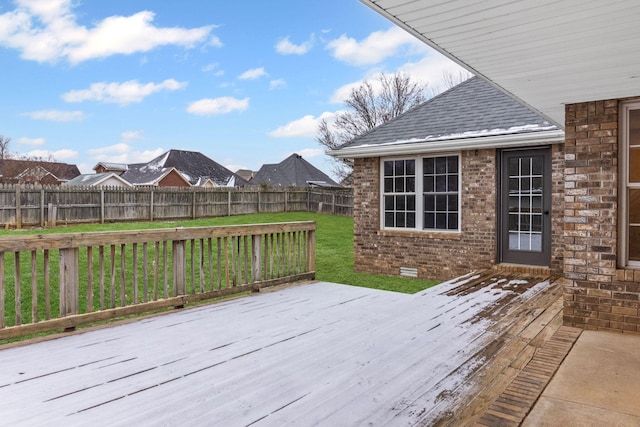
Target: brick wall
x=598 y=296
x=443 y=256
x=436 y=255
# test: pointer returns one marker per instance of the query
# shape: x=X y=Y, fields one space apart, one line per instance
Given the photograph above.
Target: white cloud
x=59 y=155
x=214 y=68
x=278 y=83
x=285 y=47
x=213 y=106
x=31 y=141
x=121 y=93
x=215 y=42
x=375 y=48
x=56 y=115
x=123 y=153
x=252 y=74
x=132 y=135
x=47 y=31
x=305 y=127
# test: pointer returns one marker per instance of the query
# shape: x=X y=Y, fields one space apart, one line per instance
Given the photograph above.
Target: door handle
x=546 y=212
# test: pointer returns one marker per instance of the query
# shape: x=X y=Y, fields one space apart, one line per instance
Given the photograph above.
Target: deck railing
x=60 y=281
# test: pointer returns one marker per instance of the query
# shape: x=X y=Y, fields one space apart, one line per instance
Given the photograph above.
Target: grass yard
x=334 y=245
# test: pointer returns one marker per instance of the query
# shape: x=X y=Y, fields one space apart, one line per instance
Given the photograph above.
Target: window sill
x=435 y=235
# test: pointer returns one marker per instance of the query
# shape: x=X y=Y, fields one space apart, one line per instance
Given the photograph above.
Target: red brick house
x=36 y=172
x=573 y=62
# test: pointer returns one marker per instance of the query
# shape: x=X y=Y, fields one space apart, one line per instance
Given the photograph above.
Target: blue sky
x=244 y=82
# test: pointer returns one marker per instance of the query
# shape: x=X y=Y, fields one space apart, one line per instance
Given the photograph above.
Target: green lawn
x=334 y=245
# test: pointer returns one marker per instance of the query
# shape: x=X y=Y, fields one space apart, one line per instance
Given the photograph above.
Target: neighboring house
x=294 y=171
x=105 y=179
x=144 y=175
x=573 y=61
x=246 y=174
x=195 y=167
x=460 y=182
x=117 y=168
x=36 y=172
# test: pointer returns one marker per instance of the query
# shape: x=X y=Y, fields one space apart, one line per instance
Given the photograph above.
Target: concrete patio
x=313 y=354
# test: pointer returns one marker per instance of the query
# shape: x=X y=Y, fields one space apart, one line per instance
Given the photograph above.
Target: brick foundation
x=598 y=296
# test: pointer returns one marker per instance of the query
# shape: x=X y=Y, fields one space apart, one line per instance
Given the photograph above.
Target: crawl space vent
x=409 y=272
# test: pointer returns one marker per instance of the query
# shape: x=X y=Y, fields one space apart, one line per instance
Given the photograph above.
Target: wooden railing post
x=311 y=253
x=179 y=267
x=69 y=281
x=256 y=258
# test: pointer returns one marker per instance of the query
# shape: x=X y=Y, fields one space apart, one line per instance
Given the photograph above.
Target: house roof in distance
x=11 y=168
x=472 y=114
x=294 y=171
x=96 y=179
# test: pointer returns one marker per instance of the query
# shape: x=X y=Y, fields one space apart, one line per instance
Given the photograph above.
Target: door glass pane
x=634 y=243
x=634 y=164
x=634 y=206
x=525 y=203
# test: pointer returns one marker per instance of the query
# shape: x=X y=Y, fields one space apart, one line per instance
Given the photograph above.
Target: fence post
x=193 y=205
x=256 y=258
x=179 y=267
x=229 y=203
x=42 y=207
x=308 y=199
x=18 y=208
x=102 y=206
x=259 y=199
x=286 y=201
x=333 y=202
x=69 y=281
x=151 y=206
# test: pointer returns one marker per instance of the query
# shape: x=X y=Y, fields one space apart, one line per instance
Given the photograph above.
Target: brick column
x=595 y=297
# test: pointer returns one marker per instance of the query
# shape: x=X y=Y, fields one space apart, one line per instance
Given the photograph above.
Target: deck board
x=313 y=354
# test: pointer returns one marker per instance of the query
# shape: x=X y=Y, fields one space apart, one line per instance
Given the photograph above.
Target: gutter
x=434 y=146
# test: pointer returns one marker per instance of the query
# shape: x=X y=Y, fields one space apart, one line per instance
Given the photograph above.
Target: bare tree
x=452 y=79
x=369 y=105
x=4 y=146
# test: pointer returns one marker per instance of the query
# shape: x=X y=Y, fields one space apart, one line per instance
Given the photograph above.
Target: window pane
x=429 y=184
x=537 y=165
x=411 y=185
x=453 y=183
x=399 y=167
x=399 y=185
x=411 y=220
x=429 y=220
x=411 y=203
x=452 y=164
x=411 y=167
x=453 y=221
x=514 y=185
x=634 y=164
x=441 y=203
x=388 y=219
x=429 y=166
x=388 y=203
x=441 y=183
x=536 y=185
x=452 y=203
x=400 y=219
x=441 y=221
x=429 y=203
x=400 y=203
x=441 y=165
x=525 y=167
x=388 y=168
x=388 y=185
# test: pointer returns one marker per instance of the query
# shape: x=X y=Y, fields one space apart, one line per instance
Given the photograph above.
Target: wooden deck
x=314 y=354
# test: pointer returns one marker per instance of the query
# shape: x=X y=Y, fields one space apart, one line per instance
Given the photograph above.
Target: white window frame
x=419 y=193
x=624 y=186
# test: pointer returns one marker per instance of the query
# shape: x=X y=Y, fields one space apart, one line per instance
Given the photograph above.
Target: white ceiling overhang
x=545 y=53
x=427 y=146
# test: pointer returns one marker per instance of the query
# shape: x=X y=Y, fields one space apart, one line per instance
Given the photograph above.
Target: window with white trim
x=421 y=193
x=630 y=185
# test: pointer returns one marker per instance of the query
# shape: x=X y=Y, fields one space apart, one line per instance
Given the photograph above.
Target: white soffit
x=546 y=53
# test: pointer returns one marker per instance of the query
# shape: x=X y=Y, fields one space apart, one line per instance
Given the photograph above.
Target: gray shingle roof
x=294 y=171
x=90 y=179
x=473 y=108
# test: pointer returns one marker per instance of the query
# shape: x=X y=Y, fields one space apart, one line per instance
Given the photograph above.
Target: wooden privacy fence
x=59 y=281
x=36 y=206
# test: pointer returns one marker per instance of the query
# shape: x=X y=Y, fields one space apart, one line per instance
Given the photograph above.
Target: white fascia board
x=434 y=146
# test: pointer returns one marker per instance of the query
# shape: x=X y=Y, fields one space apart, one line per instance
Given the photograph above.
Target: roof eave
x=475 y=143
